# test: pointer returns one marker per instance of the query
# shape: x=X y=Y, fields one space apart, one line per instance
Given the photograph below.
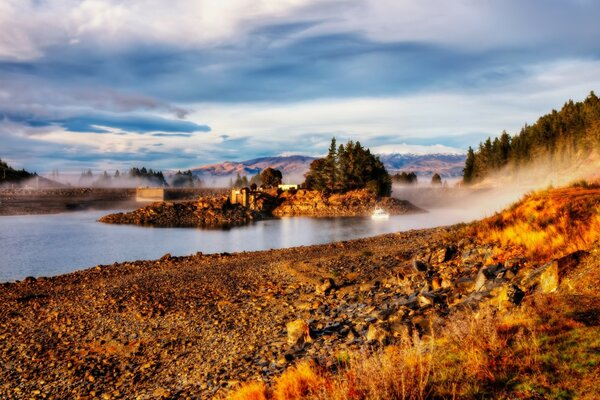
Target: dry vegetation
x=548 y=347
x=530 y=352
x=546 y=224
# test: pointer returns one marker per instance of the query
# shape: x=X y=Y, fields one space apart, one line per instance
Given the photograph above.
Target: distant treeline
x=9 y=174
x=140 y=176
x=572 y=132
x=404 y=178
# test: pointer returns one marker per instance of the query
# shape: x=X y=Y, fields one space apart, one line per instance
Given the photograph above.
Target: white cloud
x=404 y=148
x=393 y=120
x=30 y=26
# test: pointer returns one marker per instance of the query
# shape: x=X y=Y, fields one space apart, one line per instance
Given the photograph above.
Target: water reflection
x=45 y=245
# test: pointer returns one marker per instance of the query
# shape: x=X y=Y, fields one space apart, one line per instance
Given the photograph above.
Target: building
x=149 y=194
x=245 y=196
x=287 y=187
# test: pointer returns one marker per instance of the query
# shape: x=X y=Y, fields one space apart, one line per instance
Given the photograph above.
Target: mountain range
x=294 y=167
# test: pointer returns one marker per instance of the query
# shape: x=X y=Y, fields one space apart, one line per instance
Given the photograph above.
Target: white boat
x=380 y=213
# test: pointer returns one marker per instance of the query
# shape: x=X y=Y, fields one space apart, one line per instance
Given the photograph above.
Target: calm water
x=46 y=245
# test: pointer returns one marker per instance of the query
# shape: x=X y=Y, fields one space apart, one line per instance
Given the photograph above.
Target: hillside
x=567 y=141
x=447 y=165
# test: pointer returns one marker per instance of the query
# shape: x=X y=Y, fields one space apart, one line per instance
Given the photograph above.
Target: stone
x=298 y=332
x=376 y=333
x=325 y=286
x=549 y=278
x=486 y=273
x=419 y=265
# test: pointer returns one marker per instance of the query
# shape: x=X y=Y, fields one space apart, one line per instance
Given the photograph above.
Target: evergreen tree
x=469 y=169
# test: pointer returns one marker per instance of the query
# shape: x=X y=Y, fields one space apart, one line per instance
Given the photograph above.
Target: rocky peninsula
x=219 y=211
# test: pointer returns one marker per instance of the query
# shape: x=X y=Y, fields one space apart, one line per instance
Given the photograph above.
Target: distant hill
x=447 y=165
x=560 y=147
x=294 y=167
x=288 y=165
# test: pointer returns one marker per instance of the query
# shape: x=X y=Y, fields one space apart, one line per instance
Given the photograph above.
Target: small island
x=348 y=182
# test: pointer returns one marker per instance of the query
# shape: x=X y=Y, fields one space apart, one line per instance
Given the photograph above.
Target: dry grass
x=299 y=382
x=250 y=391
x=535 y=351
x=544 y=225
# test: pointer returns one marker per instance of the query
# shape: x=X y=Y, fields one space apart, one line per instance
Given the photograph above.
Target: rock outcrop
x=208 y=212
x=356 y=203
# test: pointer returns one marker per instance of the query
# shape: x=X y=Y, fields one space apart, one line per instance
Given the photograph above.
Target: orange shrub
x=298 y=382
x=250 y=391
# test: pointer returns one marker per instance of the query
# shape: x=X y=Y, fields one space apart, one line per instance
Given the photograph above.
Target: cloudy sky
x=180 y=83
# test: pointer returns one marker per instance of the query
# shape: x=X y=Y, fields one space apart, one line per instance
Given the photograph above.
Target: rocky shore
x=209 y=212
x=358 y=203
x=192 y=327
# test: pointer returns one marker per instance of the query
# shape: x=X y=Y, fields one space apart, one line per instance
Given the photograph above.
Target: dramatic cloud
x=110 y=82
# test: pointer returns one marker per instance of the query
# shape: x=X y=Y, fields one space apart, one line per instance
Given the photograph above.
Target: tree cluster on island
x=348 y=167
x=566 y=134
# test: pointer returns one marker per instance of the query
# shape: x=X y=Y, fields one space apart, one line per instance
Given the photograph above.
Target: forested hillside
x=573 y=133
x=8 y=174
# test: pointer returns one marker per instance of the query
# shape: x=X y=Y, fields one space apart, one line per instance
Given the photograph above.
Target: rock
x=419 y=266
x=509 y=295
x=436 y=283
x=465 y=283
x=400 y=330
x=325 y=286
x=426 y=299
x=486 y=273
x=444 y=254
x=549 y=279
x=298 y=332
x=376 y=333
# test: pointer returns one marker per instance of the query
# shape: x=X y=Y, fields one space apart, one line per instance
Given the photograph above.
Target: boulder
x=485 y=274
x=325 y=286
x=377 y=334
x=419 y=265
x=298 y=332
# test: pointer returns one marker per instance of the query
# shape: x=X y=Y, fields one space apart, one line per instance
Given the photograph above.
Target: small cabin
x=150 y=194
x=287 y=187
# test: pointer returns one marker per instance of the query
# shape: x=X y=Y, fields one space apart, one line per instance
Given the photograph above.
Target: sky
x=176 y=84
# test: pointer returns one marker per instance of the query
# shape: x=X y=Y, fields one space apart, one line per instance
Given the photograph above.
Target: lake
x=47 y=245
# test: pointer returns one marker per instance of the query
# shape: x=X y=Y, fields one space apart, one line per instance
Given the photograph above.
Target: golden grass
x=544 y=225
x=250 y=391
x=298 y=382
x=535 y=351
